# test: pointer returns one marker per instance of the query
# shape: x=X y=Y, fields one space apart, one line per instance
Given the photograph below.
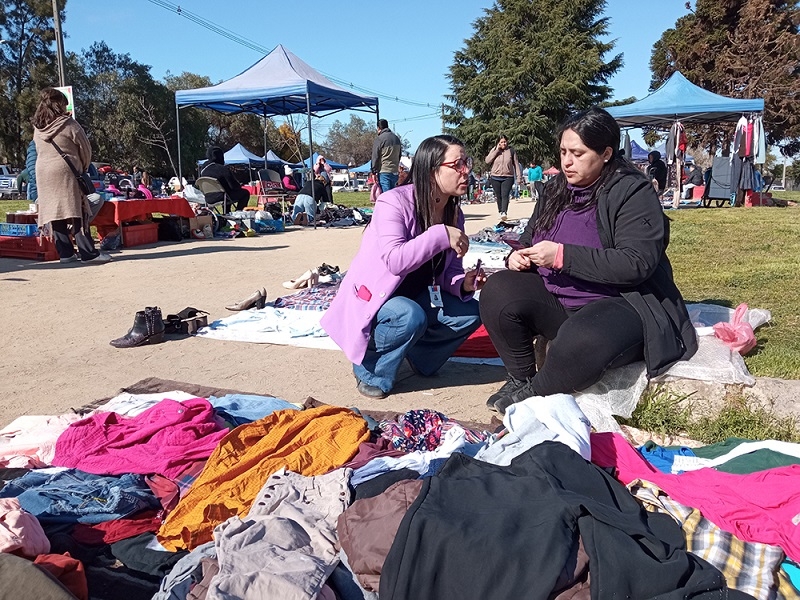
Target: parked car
x=777 y=188
x=8 y=183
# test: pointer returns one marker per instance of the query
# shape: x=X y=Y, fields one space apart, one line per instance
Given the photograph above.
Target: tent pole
x=178 y=121
x=265 y=137
x=310 y=149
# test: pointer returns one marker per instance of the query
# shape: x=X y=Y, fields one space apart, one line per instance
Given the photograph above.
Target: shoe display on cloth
x=148 y=328
x=186 y=322
x=69 y=259
x=326 y=269
x=370 y=391
x=257 y=300
x=99 y=259
x=308 y=279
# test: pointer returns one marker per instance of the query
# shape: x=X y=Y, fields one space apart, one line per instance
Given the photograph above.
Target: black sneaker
x=522 y=392
x=510 y=386
x=370 y=391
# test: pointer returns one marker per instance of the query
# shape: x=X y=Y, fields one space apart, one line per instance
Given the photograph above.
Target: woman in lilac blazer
x=406 y=294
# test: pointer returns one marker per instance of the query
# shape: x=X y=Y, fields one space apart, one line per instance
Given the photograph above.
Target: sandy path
x=59 y=320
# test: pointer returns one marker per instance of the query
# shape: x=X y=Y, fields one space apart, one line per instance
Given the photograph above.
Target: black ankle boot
x=148 y=328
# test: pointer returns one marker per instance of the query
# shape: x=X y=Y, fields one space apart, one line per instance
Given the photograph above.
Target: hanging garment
x=761 y=142
x=672 y=142
x=740 y=138
x=626 y=146
x=749 y=149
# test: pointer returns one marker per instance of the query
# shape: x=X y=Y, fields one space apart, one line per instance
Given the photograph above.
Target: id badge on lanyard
x=435 y=293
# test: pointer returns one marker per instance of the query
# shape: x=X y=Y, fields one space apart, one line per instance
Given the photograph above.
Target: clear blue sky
x=401 y=49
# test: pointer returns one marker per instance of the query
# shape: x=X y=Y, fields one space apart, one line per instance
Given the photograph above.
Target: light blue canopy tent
x=278 y=84
x=681 y=100
x=365 y=168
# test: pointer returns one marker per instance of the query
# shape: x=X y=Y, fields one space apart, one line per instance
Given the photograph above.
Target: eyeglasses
x=462 y=165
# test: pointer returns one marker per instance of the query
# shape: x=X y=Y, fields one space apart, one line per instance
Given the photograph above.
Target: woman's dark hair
x=428 y=158
x=52 y=104
x=598 y=130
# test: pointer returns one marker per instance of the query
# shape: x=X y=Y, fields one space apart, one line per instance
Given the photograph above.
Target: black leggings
x=502 y=189
x=516 y=307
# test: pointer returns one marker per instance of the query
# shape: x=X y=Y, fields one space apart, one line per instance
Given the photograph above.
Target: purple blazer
x=390 y=250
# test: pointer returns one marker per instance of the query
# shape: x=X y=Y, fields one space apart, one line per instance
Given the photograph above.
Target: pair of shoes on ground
x=308 y=279
x=186 y=322
x=512 y=391
x=257 y=299
x=101 y=258
x=326 y=269
x=148 y=328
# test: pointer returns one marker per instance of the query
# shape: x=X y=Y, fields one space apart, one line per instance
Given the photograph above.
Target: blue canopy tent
x=365 y=168
x=278 y=84
x=239 y=155
x=678 y=99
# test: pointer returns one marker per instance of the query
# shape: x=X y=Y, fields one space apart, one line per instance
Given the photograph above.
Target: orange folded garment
x=309 y=442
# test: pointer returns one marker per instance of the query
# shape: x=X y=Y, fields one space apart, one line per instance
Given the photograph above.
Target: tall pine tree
x=740 y=49
x=527 y=66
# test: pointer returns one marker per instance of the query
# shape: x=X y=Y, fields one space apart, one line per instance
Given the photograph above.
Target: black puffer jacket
x=635 y=233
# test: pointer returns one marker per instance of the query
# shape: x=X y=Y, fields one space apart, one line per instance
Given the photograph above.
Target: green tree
x=349 y=142
x=740 y=49
x=527 y=66
x=27 y=64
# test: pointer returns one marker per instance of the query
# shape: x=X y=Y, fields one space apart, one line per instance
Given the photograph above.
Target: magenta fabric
x=757 y=507
x=165 y=439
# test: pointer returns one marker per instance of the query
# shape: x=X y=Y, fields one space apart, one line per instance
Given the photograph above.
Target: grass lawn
x=720 y=255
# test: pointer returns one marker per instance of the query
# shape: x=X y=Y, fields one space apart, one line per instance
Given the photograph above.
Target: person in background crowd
x=695 y=179
x=305 y=204
x=471 y=186
x=22 y=182
x=657 y=171
x=386 y=151
x=144 y=185
x=402 y=174
x=288 y=181
x=30 y=166
x=406 y=295
x=215 y=167
x=535 y=180
x=62 y=205
x=136 y=177
x=504 y=169
x=592 y=275
x=322 y=167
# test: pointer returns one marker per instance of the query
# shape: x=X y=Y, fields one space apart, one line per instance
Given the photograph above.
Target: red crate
x=137 y=235
x=33 y=247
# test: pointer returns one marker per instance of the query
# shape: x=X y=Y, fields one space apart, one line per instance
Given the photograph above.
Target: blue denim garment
x=246 y=408
x=427 y=335
x=73 y=496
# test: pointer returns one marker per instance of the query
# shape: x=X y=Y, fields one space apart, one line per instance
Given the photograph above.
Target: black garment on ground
x=134 y=554
x=377 y=485
x=10 y=474
x=584 y=343
x=480 y=531
x=658 y=171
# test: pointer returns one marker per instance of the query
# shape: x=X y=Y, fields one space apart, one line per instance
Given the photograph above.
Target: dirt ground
x=59 y=320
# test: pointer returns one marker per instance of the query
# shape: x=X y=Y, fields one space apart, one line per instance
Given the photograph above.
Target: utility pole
x=62 y=78
x=783 y=180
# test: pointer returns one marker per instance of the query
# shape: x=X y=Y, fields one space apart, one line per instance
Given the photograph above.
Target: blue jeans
x=74 y=496
x=411 y=328
x=304 y=203
x=387 y=181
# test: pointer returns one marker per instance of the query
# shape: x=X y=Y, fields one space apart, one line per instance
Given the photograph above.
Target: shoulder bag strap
x=66 y=159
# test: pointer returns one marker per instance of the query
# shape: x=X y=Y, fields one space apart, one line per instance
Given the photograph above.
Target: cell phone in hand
x=478 y=266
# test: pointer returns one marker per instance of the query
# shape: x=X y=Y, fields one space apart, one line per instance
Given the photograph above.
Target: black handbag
x=85 y=183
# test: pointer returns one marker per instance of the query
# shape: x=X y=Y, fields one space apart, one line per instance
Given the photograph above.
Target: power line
x=252 y=45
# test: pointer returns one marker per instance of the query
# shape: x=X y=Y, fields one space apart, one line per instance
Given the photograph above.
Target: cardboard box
x=198 y=222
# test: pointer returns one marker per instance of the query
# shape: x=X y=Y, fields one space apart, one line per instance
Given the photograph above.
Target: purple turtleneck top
x=579 y=228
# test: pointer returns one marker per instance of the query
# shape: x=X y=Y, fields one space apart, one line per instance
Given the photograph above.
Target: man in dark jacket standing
x=216 y=168
x=657 y=170
x=386 y=156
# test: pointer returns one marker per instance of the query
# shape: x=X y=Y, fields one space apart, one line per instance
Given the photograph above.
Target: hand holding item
x=473 y=280
x=542 y=254
x=518 y=261
x=458 y=240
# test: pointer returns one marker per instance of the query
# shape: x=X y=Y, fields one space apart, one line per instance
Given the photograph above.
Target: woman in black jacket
x=592 y=277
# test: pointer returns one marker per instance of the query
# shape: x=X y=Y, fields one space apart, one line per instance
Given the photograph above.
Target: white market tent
x=278 y=84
